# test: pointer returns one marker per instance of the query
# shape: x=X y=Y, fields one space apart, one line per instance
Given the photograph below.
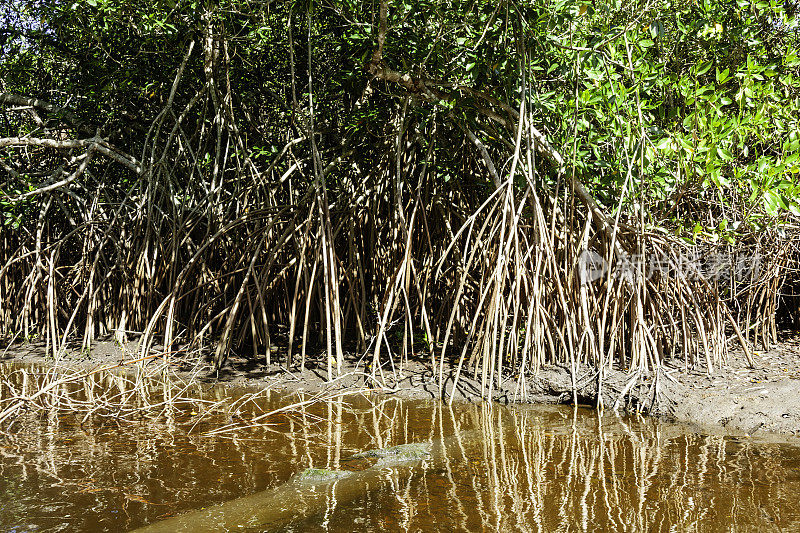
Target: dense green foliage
x=698 y=99
x=680 y=118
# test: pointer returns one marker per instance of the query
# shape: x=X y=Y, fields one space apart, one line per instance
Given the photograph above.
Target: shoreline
x=735 y=399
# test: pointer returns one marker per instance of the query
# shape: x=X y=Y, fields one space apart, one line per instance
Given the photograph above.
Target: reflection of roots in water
x=104 y=391
x=540 y=470
x=596 y=474
x=537 y=469
x=129 y=391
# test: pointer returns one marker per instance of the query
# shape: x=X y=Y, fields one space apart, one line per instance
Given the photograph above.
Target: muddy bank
x=734 y=399
x=753 y=400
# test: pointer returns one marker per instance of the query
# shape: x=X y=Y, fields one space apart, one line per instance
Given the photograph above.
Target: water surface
x=527 y=468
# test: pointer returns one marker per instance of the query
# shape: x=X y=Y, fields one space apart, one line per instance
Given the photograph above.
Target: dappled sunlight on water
x=528 y=468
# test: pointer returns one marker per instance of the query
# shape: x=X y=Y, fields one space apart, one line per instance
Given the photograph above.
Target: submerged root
x=316 y=475
x=386 y=457
x=402 y=452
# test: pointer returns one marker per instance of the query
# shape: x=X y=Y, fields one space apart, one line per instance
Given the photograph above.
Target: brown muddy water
x=522 y=468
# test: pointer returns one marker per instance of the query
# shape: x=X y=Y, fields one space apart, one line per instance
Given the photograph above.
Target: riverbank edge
x=734 y=399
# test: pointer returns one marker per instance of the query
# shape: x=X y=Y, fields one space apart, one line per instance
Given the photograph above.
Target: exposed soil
x=734 y=399
x=761 y=399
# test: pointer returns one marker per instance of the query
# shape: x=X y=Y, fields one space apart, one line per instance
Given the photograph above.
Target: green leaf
x=703 y=67
x=664 y=144
x=724 y=154
x=773 y=202
x=657 y=29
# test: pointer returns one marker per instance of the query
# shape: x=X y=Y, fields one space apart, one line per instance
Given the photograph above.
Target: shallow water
x=528 y=468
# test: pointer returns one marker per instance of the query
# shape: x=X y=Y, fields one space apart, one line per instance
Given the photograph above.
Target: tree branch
x=66 y=181
x=487 y=159
x=100 y=145
x=377 y=55
x=15 y=99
